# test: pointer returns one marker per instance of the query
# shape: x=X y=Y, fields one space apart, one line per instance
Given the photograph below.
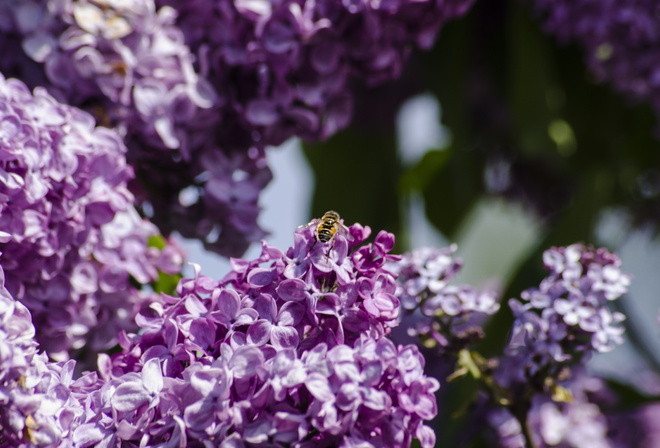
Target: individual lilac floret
x=567 y=317
x=287 y=350
x=36 y=405
x=70 y=239
x=284 y=68
x=451 y=314
x=620 y=39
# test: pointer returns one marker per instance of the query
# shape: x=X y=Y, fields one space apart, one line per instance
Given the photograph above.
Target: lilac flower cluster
x=127 y=63
x=620 y=38
x=283 y=68
x=36 y=408
x=567 y=317
x=70 y=238
x=451 y=314
x=286 y=350
x=571 y=424
x=275 y=70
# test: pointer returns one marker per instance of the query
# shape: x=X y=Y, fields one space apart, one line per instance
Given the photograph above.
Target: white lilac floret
x=71 y=240
x=568 y=316
x=289 y=349
x=447 y=316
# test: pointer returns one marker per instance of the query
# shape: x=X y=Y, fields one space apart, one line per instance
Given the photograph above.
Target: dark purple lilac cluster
x=567 y=318
x=289 y=349
x=451 y=315
x=621 y=39
x=283 y=68
x=70 y=240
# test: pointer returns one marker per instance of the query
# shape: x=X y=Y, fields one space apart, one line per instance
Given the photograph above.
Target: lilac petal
x=426 y=436
x=87 y=434
x=291 y=314
x=205 y=381
x=376 y=399
x=195 y=306
x=283 y=362
x=199 y=415
x=129 y=396
x=262 y=112
x=229 y=302
x=259 y=332
x=319 y=387
x=292 y=289
x=245 y=360
x=152 y=376
x=202 y=333
x=284 y=337
x=266 y=307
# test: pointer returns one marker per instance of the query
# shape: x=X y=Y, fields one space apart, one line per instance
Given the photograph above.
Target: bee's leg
x=327 y=254
x=315 y=241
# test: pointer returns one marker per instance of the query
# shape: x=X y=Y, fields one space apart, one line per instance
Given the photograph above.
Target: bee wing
x=309 y=224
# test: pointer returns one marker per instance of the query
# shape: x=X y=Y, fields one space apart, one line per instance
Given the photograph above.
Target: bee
x=327 y=227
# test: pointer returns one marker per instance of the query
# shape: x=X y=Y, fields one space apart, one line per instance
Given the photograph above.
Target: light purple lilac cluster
x=289 y=349
x=450 y=314
x=127 y=64
x=36 y=407
x=621 y=39
x=557 y=326
x=567 y=318
x=70 y=240
x=283 y=68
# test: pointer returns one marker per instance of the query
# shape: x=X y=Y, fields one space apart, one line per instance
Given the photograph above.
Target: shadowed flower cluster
x=283 y=68
x=567 y=318
x=574 y=422
x=288 y=349
x=451 y=315
x=70 y=239
x=621 y=39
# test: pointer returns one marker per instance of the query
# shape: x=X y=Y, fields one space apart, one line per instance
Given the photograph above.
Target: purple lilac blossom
x=570 y=421
x=283 y=68
x=448 y=317
x=621 y=39
x=575 y=424
x=127 y=64
x=275 y=70
x=70 y=240
x=289 y=349
x=37 y=408
x=567 y=318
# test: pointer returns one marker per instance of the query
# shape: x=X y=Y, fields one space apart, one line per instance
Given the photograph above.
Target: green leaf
x=419 y=176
